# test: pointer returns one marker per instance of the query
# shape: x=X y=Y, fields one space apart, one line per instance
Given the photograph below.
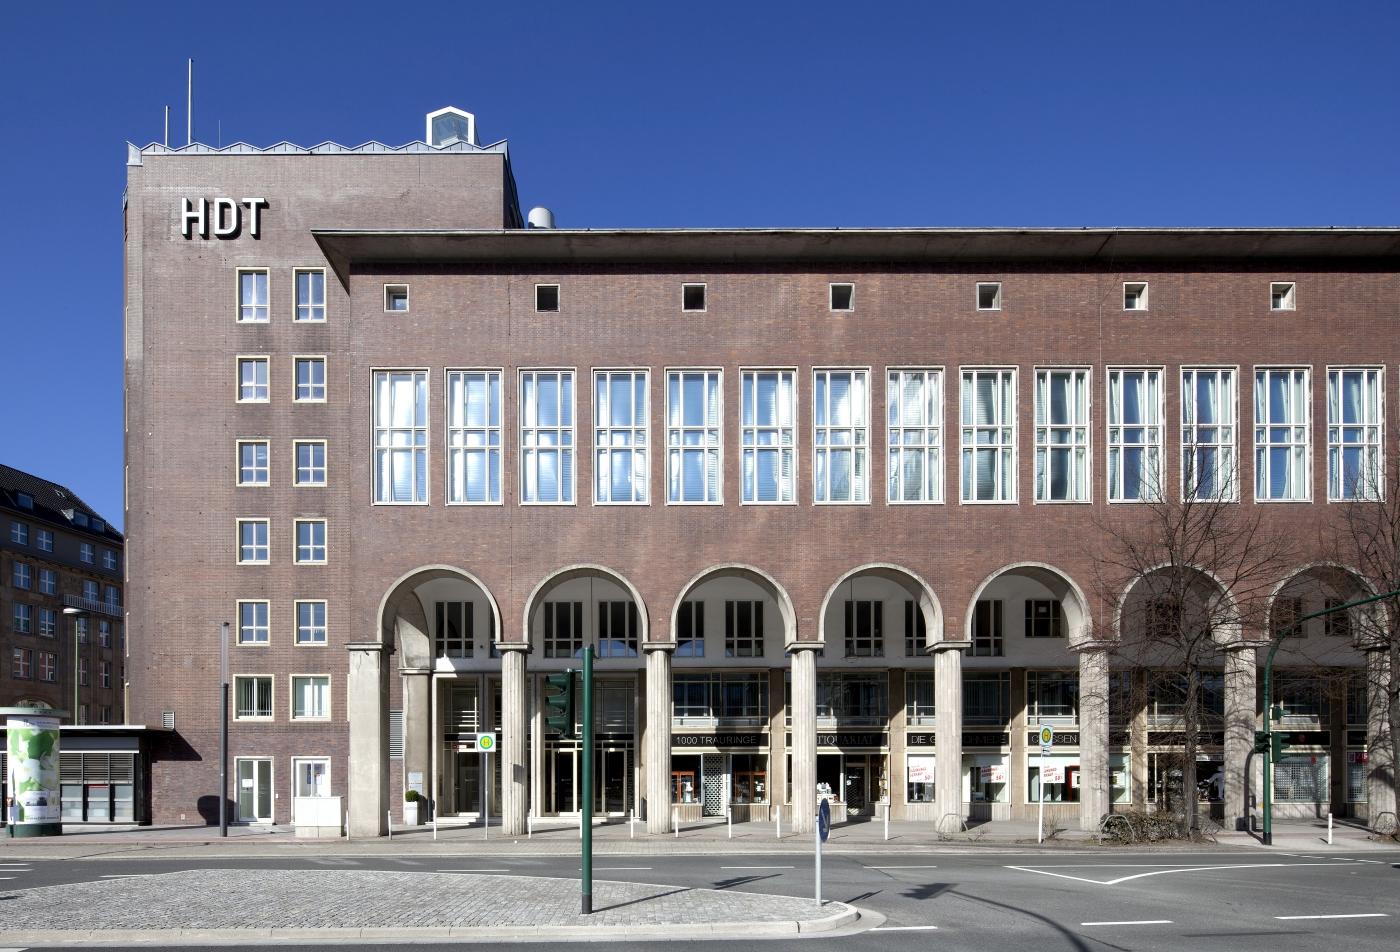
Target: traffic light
x=559 y=703
x=1280 y=746
x=1261 y=742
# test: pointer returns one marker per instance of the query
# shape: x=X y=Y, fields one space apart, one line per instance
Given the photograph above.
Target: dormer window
x=449 y=126
x=24 y=500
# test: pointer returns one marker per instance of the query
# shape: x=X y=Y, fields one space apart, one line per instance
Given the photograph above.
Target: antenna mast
x=189 y=103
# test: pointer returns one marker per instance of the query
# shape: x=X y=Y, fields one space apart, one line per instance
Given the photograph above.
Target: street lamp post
x=75 y=614
x=223 y=729
x=1267 y=747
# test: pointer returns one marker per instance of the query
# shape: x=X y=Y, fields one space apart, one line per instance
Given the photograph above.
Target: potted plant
x=410 y=807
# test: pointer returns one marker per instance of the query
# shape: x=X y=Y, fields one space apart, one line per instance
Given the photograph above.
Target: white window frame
x=704 y=295
x=418 y=438
x=1290 y=296
x=707 y=444
x=831 y=296
x=47 y=624
x=1143 y=299
x=603 y=434
x=292 y=697
x=1260 y=477
x=253 y=359
x=238 y=479
x=895 y=429
x=968 y=450
x=325 y=623
x=977 y=296
x=22 y=575
x=19 y=533
x=312 y=305
x=406 y=301
x=109 y=560
x=747 y=432
x=272 y=698
x=1081 y=439
x=1376 y=445
x=310 y=360
x=48 y=582
x=325 y=762
x=266 y=628
x=297 y=482
x=455 y=454
x=568 y=489
x=238 y=540
x=265 y=307
x=324 y=546
x=858 y=448
x=1112 y=467
x=558 y=297
x=87 y=553
x=1230 y=447
x=43 y=540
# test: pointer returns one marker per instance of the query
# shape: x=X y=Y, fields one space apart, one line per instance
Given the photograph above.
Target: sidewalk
x=280 y=905
x=556 y=837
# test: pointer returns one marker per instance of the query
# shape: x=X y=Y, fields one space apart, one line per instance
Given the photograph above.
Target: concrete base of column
x=515 y=742
x=657 y=741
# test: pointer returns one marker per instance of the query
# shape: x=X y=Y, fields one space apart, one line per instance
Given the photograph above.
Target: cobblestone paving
x=317 y=899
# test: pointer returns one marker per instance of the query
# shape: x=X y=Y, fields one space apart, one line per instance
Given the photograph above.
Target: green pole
x=1268 y=838
x=587 y=831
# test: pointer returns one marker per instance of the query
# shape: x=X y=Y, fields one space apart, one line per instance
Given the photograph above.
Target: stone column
x=515 y=740
x=777 y=744
x=804 y=736
x=417 y=733
x=1095 y=794
x=1138 y=739
x=898 y=766
x=1380 y=744
x=367 y=690
x=948 y=713
x=657 y=740
x=1240 y=702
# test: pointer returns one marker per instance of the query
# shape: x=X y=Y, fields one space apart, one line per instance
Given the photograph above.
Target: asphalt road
x=1233 y=900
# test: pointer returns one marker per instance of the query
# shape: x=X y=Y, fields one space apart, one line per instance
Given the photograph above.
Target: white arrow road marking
x=1348 y=915
x=1162 y=872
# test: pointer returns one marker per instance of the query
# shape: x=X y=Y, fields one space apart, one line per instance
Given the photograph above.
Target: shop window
x=749 y=775
x=685 y=779
x=1301 y=778
x=1061 y=780
x=920 y=778
x=986 y=776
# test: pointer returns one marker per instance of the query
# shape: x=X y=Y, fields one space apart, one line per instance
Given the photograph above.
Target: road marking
x=1131 y=922
x=471 y=870
x=6 y=877
x=1163 y=872
x=1347 y=915
x=126 y=875
x=904 y=928
x=1376 y=861
x=615 y=869
x=901 y=867
x=758 y=867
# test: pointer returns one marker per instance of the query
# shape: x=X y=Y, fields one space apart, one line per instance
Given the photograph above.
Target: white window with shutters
x=621 y=431
x=547 y=437
x=400 y=437
x=1062 y=435
x=694 y=437
x=768 y=400
x=1134 y=434
x=989 y=435
x=914 y=398
x=841 y=436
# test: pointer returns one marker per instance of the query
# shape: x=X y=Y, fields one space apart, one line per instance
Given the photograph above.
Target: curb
x=845 y=916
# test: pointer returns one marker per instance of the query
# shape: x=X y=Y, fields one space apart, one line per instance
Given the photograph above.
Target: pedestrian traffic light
x=559 y=703
x=1261 y=742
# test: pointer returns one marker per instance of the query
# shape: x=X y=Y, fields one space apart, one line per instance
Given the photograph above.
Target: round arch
x=1220 y=589
x=1081 y=628
x=911 y=581
x=428 y=573
x=1322 y=570
x=584 y=570
x=749 y=573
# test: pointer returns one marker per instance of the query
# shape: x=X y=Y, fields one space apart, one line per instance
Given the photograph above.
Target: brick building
x=830 y=504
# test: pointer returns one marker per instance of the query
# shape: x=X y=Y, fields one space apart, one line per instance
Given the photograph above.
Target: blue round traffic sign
x=824 y=820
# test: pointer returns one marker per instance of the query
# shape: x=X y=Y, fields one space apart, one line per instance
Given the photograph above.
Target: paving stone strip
x=229 y=899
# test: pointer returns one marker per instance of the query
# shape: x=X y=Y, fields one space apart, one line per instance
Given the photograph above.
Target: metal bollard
x=778 y=820
x=676 y=822
x=729 y=814
x=529 y=826
x=1329 y=828
x=389 y=822
x=632 y=825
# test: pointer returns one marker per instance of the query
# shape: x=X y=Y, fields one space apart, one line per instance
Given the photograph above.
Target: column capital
x=416 y=671
x=649 y=646
x=1245 y=644
x=370 y=647
x=504 y=646
x=795 y=646
x=948 y=645
x=1093 y=646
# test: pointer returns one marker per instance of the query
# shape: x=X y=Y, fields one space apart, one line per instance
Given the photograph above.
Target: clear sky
x=679 y=114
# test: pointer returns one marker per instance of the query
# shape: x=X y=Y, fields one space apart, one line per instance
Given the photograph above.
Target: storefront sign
x=922 y=769
x=975 y=739
x=993 y=773
x=1052 y=773
x=32 y=744
x=717 y=740
x=1356 y=738
x=840 y=739
x=1060 y=738
x=922 y=739
x=222 y=218
x=1176 y=739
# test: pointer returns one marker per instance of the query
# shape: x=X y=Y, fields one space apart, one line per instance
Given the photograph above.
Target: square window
x=252 y=697
x=395 y=297
x=311 y=697
x=692 y=297
x=252 y=463
x=546 y=297
x=252 y=296
x=310 y=380
x=1135 y=295
x=19 y=533
x=310 y=463
x=989 y=296
x=1281 y=296
x=253 y=626
x=310 y=541
x=20 y=575
x=311 y=294
x=252 y=380
x=311 y=623
x=253 y=545
x=109 y=560
x=843 y=297
x=48 y=582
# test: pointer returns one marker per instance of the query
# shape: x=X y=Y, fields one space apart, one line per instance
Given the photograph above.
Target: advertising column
x=32 y=744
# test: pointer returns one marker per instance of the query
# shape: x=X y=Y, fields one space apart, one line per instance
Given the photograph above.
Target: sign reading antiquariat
x=718 y=740
x=849 y=739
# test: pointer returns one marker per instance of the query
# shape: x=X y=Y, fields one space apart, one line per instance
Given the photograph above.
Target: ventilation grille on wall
x=396 y=735
x=167 y=720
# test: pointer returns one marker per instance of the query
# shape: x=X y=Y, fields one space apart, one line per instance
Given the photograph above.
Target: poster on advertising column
x=31 y=736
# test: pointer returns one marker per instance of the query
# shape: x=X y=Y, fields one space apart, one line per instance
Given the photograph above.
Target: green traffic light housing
x=559 y=704
x=1261 y=742
x=1280 y=746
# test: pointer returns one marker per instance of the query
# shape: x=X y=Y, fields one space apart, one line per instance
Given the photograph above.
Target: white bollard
x=887 y=822
x=676 y=822
x=778 y=820
x=529 y=826
x=729 y=814
x=434 y=821
x=1329 y=828
x=632 y=825
x=389 y=822
x=580 y=825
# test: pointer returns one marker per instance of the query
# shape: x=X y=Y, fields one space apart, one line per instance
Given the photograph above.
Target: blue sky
x=714 y=114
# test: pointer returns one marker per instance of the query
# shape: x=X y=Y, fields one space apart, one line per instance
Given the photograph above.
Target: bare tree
x=1188 y=573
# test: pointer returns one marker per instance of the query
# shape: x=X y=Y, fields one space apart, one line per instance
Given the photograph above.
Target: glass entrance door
x=254 y=779
x=857 y=786
x=468 y=776
x=612 y=778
